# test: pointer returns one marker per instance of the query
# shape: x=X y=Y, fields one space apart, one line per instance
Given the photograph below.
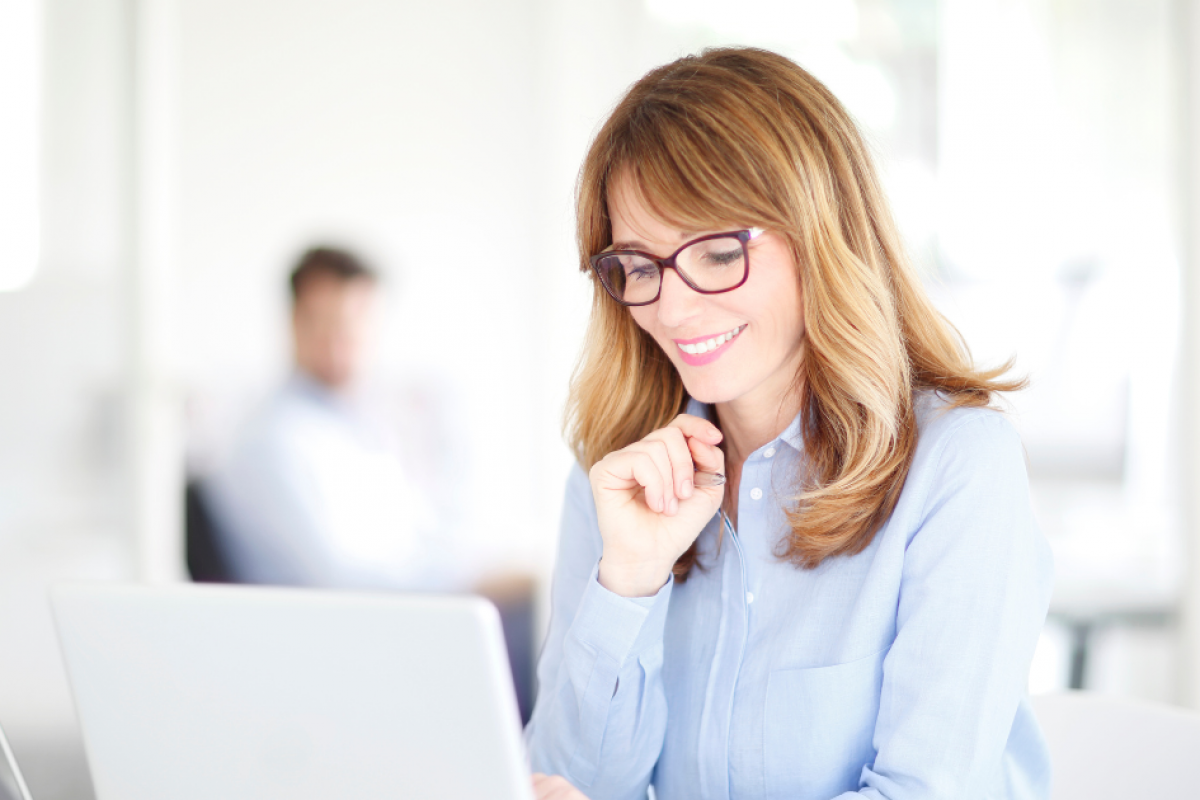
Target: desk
x=1083 y=610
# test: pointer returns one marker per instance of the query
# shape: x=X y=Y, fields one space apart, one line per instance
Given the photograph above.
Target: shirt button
x=749 y=597
x=769 y=452
x=756 y=493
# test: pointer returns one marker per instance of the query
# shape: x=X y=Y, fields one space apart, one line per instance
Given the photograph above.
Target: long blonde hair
x=737 y=138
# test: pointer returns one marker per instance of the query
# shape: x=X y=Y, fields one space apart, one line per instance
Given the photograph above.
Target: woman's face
x=757 y=365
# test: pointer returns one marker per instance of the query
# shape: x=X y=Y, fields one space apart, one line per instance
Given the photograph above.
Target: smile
x=696 y=348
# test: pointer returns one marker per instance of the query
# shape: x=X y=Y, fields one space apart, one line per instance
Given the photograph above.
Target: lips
x=697 y=347
x=705 y=350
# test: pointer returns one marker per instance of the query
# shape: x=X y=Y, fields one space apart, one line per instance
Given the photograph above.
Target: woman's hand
x=648 y=510
x=554 y=787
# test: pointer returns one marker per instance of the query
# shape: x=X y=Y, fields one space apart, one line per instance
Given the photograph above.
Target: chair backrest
x=1106 y=748
x=207 y=561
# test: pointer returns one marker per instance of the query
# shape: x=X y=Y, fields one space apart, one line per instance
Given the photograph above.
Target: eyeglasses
x=719 y=262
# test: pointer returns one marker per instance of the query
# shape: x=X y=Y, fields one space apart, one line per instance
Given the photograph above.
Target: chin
x=708 y=390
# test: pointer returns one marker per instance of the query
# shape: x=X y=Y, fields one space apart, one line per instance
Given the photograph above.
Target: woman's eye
x=639 y=273
x=720 y=259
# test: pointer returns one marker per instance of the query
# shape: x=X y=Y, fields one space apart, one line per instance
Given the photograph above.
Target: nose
x=678 y=302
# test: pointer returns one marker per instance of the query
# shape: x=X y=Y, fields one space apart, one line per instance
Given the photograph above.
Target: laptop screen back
x=12 y=783
x=236 y=692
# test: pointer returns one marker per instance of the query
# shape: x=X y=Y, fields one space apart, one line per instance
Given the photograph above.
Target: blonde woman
x=853 y=612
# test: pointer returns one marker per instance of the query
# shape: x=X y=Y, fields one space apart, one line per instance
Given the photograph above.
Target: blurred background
x=163 y=164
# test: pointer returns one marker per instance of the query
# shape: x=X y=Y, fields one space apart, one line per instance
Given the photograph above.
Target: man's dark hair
x=340 y=264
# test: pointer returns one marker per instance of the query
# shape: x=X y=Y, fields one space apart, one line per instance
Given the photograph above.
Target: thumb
x=707 y=457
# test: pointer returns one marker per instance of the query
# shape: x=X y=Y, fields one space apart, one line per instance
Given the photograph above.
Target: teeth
x=708 y=345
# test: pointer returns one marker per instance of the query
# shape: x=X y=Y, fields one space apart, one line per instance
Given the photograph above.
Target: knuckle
x=646 y=466
x=635 y=451
x=658 y=436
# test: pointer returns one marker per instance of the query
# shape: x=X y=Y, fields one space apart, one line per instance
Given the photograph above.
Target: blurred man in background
x=339 y=483
x=314 y=492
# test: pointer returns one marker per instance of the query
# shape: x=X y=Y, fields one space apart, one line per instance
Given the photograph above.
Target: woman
x=852 y=614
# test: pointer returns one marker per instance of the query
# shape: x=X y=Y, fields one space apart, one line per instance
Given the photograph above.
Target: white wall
x=442 y=139
x=403 y=129
x=64 y=478
x=1188 y=43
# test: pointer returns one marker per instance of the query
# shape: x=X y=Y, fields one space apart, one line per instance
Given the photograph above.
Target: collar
x=304 y=386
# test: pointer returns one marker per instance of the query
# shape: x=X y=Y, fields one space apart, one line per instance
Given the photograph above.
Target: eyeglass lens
x=711 y=265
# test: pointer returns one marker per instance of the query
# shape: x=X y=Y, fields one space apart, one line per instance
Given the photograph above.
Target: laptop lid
x=12 y=782
x=238 y=692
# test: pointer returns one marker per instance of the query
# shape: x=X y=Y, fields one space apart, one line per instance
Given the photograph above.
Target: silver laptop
x=12 y=783
x=250 y=693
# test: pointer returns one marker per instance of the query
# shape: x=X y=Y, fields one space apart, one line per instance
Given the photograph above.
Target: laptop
x=245 y=693
x=12 y=783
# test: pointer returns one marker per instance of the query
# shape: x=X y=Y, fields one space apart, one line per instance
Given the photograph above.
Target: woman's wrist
x=632 y=579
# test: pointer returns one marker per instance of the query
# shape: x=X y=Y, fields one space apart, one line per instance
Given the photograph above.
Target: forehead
x=636 y=224
x=322 y=289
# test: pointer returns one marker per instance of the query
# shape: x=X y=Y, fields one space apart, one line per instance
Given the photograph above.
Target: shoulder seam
x=947 y=437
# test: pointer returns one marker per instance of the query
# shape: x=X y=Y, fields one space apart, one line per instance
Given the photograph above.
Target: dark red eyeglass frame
x=743 y=236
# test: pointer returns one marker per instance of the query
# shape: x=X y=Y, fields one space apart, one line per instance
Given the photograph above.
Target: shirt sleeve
x=975 y=589
x=601 y=712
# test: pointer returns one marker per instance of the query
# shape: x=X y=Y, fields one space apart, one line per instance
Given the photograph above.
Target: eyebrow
x=636 y=245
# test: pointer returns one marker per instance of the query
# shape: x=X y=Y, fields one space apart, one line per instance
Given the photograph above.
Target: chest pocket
x=818 y=727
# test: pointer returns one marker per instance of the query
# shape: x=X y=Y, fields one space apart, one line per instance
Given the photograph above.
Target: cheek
x=644 y=318
x=790 y=329
x=798 y=311
x=780 y=319
x=791 y=317
x=784 y=298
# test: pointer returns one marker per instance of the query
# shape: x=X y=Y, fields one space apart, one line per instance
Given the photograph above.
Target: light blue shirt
x=311 y=495
x=899 y=672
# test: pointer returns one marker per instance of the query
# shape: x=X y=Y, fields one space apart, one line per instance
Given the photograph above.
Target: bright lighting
x=795 y=20
x=20 y=51
x=810 y=32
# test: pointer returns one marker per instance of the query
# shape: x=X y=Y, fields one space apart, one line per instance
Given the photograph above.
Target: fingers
x=697 y=428
x=680 y=457
x=702 y=438
x=635 y=466
x=663 y=464
x=554 y=787
x=663 y=498
x=707 y=457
